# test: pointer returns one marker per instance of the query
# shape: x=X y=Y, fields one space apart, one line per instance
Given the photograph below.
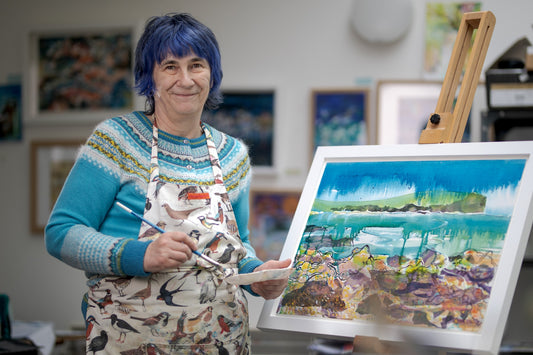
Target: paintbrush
x=203 y=256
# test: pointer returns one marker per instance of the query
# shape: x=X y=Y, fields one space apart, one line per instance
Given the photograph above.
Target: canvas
x=418 y=242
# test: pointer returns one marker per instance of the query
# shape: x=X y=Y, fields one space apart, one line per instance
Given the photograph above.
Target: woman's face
x=182 y=86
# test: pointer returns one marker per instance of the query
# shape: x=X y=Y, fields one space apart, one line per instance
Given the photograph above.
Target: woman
x=147 y=290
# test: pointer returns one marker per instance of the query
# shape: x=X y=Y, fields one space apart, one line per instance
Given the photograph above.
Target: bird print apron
x=189 y=310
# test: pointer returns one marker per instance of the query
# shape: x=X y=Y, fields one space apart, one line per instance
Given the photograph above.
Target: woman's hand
x=168 y=251
x=272 y=288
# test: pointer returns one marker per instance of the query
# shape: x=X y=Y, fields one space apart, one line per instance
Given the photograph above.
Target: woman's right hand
x=168 y=251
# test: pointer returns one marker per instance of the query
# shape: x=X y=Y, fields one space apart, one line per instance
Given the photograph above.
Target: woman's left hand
x=272 y=288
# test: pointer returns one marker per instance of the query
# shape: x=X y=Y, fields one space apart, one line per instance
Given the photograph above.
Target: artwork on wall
x=442 y=24
x=248 y=115
x=10 y=112
x=339 y=117
x=78 y=75
x=271 y=213
x=408 y=241
x=404 y=108
x=51 y=162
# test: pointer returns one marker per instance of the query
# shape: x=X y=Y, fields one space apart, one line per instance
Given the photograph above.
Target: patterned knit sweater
x=87 y=230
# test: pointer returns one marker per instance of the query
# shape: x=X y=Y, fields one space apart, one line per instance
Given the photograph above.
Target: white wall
x=291 y=46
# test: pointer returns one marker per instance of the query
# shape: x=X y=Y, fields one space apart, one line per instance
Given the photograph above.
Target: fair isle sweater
x=89 y=231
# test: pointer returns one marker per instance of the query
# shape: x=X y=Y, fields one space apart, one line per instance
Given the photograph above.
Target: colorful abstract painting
x=416 y=242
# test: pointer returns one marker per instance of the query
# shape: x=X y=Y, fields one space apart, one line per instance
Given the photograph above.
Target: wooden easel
x=445 y=126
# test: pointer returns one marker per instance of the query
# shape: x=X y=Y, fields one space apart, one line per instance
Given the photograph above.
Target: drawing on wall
x=248 y=115
x=442 y=25
x=10 y=112
x=271 y=213
x=410 y=243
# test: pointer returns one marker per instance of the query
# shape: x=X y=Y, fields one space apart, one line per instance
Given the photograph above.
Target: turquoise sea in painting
x=348 y=190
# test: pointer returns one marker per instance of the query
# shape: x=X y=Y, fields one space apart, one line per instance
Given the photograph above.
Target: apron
x=189 y=310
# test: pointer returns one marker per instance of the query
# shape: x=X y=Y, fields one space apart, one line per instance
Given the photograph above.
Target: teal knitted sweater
x=88 y=231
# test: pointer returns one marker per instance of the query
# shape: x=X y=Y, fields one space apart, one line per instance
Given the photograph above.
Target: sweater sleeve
x=73 y=235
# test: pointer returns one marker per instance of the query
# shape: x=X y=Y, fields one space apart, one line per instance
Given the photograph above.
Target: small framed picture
x=79 y=75
x=339 y=117
x=51 y=162
x=248 y=115
x=271 y=213
x=10 y=112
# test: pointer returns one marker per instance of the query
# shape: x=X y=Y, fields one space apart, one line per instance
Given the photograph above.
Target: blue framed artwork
x=339 y=117
x=248 y=115
x=409 y=241
x=10 y=112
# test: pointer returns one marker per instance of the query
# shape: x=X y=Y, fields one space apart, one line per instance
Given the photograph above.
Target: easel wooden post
x=445 y=126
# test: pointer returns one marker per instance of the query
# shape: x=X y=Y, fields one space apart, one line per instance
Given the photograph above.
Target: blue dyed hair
x=178 y=35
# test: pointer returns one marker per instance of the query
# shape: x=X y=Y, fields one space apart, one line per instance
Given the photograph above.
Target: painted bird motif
x=98 y=343
x=176 y=214
x=221 y=349
x=213 y=243
x=200 y=320
x=120 y=283
x=151 y=232
x=102 y=303
x=206 y=223
x=227 y=325
x=122 y=327
x=143 y=293
x=145 y=349
x=208 y=291
x=91 y=321
x=179 y=332
x=154 y=323
x=226 y=255
x=124 y=308
x=166 y=295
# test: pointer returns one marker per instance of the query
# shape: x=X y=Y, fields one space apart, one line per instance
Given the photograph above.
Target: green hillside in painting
x=432 y=201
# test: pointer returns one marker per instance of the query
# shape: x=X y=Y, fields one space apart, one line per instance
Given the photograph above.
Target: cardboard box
x=508 y=80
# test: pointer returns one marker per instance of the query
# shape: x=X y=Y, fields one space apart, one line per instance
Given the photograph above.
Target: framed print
x=10 y=112
x=79 y=74
x=420 y=242
x=248 y=115
x=404 y=108
x=442 y=24
x=271 y=213
x=339 y=117
x=51 y=162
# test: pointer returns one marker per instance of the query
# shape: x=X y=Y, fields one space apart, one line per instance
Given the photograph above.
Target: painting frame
x=486 y=339
x=93 y=81
x=10 y=112
x=50 y=163
x=249 y=114
x=271 y=213
x=330 y=107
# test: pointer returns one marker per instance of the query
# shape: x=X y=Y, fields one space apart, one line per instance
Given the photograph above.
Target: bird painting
x=97 y=343
x=122 y=327
x=167 y=295
x=179 y=333
x=151 y=233
x=143 y=293
x=124 y=308
x=208 y=291
x=177 y=214
x=226 y=255
x=155 y=322
x=221 y=349
x=102 y=303
x=91 y=321
x=206 y=223
x=120 y=283
x=213 y=243
x=227 y=325
x=203 y=318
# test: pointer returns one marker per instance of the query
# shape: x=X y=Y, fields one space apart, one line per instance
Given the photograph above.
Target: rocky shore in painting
x=431 y=290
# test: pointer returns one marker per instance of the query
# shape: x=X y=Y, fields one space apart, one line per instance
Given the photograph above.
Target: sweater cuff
x=247 y=266
x=132 y=256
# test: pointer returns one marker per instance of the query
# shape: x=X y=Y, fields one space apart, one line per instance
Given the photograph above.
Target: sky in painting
x=366 y=181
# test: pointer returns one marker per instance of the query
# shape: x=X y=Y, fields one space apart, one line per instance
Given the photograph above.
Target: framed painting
x=248 y=115
x=339 y=117
x=408 y=242
x=271 y=213
x=10 y=112
x=404 y=108
x=50 y=164
x=79 y=75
